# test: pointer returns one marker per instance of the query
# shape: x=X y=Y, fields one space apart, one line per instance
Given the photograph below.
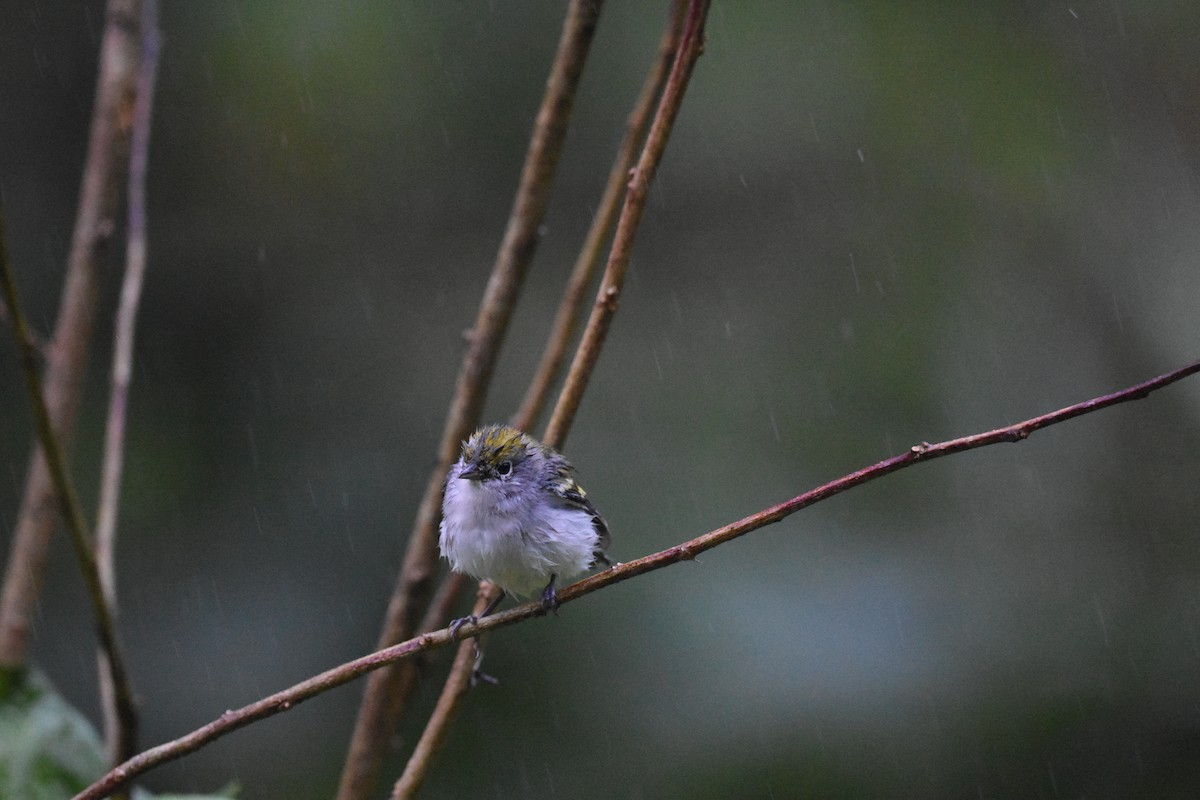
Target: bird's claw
x=458 y=623
x=478 y=676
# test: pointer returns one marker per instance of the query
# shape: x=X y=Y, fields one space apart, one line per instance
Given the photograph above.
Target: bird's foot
x=550 y=597
x=457 y=624
x=473 y=619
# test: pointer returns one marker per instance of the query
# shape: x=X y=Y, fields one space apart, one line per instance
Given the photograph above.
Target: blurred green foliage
x=48 y=751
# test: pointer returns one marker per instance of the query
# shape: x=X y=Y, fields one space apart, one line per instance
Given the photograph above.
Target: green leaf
x=48 y=751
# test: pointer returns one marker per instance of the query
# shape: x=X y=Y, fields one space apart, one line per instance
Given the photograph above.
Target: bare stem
x=131 y=291
x=69 y=505
x=408 y=671
x=103 y=178
x=119 y=731
x=444 y=601
x=378 y=713
x=449 y=701
x=566 y=319
x=458 y=681
x=687 y=551
x=34 y=337
x=691 y=44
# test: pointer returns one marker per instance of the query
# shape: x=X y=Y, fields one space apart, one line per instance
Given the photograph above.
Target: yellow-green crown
x=495 y=443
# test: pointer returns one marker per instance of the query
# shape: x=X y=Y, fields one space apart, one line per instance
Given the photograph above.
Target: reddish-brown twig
x=687 y=551
x=414 y=586
x=566 y=319
x=457 y=681
x=120 y=728
x=691 y=46
x=449 y=701
x=68 y=500
x=103 y=177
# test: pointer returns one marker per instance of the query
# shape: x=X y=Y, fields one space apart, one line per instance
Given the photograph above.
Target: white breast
x=518 y=550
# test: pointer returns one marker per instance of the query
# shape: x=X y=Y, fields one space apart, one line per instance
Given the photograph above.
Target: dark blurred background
x=878 y=223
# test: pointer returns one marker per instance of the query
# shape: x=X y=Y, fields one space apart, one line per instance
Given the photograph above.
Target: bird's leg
x=550 y=597
x=478 y=676
x=492 y=605
x=457 y=624
x=598 y=557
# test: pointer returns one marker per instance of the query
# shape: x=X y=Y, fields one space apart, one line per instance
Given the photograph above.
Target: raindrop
x=1103 y=623
x=253 y=446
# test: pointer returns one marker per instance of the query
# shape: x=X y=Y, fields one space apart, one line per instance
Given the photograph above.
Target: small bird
x=513 y=514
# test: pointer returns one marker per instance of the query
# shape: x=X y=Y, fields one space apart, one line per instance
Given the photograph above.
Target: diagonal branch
x=687 y=551
x=69 y=506
x=119 y=733
x=566 y=319
x=35 y=338
x=456 y=687
x=458 y=681
x=103 y=177
x=691 y=46
x=381 y=704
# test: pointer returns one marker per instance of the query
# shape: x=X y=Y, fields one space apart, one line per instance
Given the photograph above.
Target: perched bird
x=513 y=514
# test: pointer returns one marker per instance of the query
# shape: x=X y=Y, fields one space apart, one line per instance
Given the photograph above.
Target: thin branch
x=449 y=701
x=35 y=338
x=690 y=47
x=119 y=736
x=408 y=672
x=103 y=179
x=687 y=551
x=69 y=506
x=414 y=586
x=566 y=320
x=458 y=680
x=444 y=602
x=131 y=291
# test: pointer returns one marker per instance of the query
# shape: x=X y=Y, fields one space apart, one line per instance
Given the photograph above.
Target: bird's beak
x=472 y=473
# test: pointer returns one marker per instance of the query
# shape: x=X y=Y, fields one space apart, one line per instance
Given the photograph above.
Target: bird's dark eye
x=504 y=469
